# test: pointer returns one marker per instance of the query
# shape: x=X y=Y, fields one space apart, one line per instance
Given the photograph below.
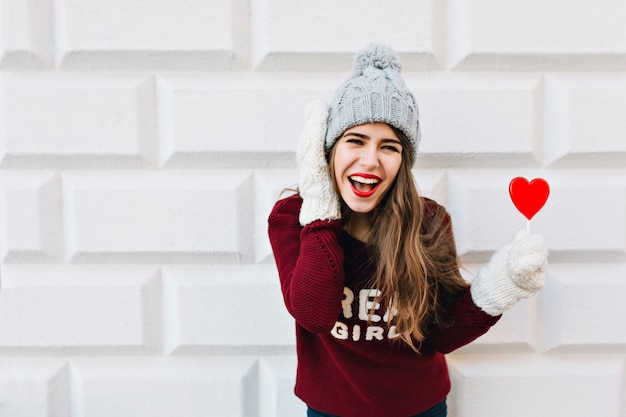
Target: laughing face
x=366 y=161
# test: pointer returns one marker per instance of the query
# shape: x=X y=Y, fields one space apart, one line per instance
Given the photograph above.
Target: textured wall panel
x=431 y=184
x=79 y=309
x=585 y=124
x=270 y=185
x=519 y=386
x=34 y=387
x=164 y=387
x=582 y=308
x=58 y=120
x=25 y=34
x=181 y=216
x=276 y=381
x=225 y=122
x=477 y=120
x=188 y=34
x=332 y=34
x=31 y=217
x=224 y=309
x=537 y=35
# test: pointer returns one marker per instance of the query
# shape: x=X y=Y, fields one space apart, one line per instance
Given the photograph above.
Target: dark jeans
x=440 y=410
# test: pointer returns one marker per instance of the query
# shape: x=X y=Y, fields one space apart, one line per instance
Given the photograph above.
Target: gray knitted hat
x=375 y=93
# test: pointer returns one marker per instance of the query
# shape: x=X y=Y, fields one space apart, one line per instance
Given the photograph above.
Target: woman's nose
x=369 y=157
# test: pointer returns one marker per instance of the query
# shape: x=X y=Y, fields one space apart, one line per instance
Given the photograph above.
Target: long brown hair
x=417 y=267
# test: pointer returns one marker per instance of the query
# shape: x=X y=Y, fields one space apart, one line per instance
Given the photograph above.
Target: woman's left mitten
x=514 y=272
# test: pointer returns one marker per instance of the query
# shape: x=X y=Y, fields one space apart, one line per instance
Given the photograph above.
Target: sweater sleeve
x=310 y=265
x=467 y=323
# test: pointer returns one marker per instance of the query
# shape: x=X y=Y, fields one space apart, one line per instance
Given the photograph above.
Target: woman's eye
x=355 y=141
x=391 y=148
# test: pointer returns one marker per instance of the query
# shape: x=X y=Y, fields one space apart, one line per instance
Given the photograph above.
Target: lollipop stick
x=528 y=226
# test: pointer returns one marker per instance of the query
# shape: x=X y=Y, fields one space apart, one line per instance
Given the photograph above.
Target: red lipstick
x=364 y=185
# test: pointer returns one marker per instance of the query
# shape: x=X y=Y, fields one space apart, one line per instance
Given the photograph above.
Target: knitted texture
x=314 y=183
x=514 y=272
x=375 y=92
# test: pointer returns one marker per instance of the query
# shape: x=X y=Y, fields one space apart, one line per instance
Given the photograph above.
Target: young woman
x=369 y=269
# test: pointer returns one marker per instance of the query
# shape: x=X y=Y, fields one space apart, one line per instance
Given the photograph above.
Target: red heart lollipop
x=529 y=197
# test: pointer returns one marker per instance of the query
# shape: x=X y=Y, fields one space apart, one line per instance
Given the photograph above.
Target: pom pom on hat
x=377 y=56
x=374 y=93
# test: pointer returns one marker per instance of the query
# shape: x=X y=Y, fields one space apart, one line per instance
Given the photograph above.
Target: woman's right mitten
x=319 y=199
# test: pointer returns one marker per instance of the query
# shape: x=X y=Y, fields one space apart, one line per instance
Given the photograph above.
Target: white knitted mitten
x=319 y=199
x=514 y=272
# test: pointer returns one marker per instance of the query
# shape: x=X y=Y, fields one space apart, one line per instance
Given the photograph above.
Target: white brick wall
x=143 y=143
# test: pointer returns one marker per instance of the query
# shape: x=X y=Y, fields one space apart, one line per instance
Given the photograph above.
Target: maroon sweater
x=351 y=364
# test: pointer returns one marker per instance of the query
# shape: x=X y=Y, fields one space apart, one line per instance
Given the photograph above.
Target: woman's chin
x=361 y=207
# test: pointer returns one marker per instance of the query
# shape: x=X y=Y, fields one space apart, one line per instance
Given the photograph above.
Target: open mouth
x=364 y=185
